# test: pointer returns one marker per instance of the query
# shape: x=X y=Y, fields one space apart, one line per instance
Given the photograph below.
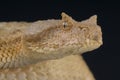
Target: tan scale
x=48 y=49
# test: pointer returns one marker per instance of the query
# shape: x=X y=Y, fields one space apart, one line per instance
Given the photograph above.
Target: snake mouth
x=74 y=48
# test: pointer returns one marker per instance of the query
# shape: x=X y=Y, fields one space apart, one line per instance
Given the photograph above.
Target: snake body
x=48 y=49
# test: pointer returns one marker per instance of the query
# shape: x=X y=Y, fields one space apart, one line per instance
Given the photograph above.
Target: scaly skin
x=48 y=49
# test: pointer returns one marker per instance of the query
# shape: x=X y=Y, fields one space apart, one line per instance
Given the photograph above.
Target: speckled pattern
x=68 y=68
x=48 y=49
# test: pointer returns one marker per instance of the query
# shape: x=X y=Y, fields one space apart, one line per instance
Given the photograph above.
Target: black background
x=104 y=62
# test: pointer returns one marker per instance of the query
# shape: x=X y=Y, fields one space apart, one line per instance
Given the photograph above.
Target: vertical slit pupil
x=65 y=24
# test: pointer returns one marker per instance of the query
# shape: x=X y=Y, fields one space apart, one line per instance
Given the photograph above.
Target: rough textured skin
x=48 y=49
x=68 y=68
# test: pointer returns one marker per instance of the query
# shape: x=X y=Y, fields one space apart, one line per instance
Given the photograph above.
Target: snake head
x=52 y=39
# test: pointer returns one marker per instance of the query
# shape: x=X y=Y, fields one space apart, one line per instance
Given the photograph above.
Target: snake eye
x=65 y=24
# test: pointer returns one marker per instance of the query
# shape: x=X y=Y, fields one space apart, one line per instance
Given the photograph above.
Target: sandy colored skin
x=68 y=68
x=48 y=49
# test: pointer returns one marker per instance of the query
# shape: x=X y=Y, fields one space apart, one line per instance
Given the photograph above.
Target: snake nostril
x=96 y=38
